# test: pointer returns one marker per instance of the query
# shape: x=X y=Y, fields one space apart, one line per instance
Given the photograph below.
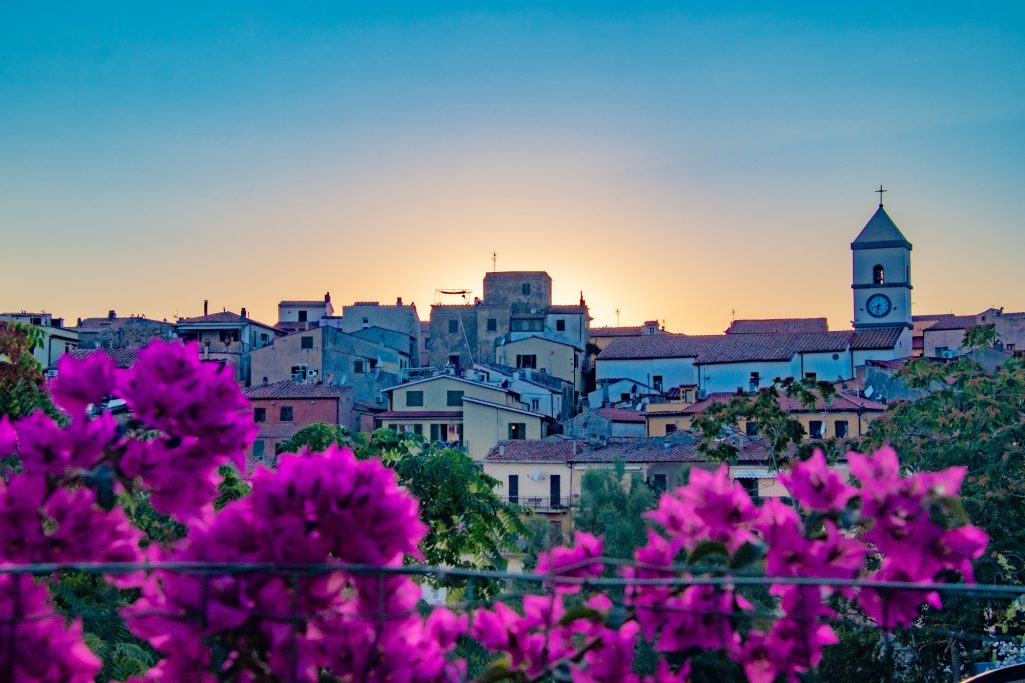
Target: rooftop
x=289 y=389
x=880 y=232
x=778 y=326
x=681 y=447
x=839 y=403
x=123 y=358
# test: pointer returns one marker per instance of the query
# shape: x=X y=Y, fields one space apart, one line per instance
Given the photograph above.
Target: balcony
x=547 y=504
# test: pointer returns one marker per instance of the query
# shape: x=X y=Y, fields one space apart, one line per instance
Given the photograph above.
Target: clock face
x=878 y=305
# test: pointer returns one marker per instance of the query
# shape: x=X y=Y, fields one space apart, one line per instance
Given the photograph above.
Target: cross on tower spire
x=880 y=191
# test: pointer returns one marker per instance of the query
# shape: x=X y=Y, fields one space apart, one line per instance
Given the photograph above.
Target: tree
x=613 y=507
x=979 y=337
x=21 y=377
x=469 y=525
x=973 y=419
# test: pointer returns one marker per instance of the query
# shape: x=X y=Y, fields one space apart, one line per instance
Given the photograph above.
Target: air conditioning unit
x=51 y=373
x=949 y=353
x=379 y=399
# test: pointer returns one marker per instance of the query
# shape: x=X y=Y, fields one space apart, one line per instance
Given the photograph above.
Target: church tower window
x=877 y=275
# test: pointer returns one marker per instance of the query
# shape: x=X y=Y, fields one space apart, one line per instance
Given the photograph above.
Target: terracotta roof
x=953 y=322
x=224 y=317
x=616 y=331
x=738 y=348
x=888 y=364
x=620 y=414
x=123 y=358
x=681 y=447
x=839 y=403
x=778 y=326
x=566 y=309
x=289 y=389
x=419 y=414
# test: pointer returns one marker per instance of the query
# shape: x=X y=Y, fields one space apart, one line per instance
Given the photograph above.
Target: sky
x=689 y=163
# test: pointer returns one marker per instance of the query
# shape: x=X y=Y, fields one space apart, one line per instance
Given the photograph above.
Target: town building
x=462 y=413
x=603 y=336
x=398 y=318
x=119 y=332
x=57 y=339
x=296 y=316
x=606 y=423
x=228 y=338
x=328 y=355
x=281 y=409
x=945 y=337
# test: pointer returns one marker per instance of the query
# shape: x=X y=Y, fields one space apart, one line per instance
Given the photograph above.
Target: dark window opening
x=815 y=429
x=656 y=382
x=306 y=343
x=357 y=367
x=454 y=398
x=525 y=288
x=840 y=428
x=259 y=415
x=670 y=428
x=492 y=324
x=877 y=275
x=453 y=326
x=811 y=375
x=259 y=447
x=514 y=488
x=517 y=431
x=750 y=486
x=751 y=428
x=526 y=361
x=560 y=325
x=756 y=380
x=527 y=325
x=659 y=482
x=287 y=414
x=303 y=316
x=414 y=399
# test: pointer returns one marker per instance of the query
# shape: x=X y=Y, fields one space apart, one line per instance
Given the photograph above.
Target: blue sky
x=676 y=162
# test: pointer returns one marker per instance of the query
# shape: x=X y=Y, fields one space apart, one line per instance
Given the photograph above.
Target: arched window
x=877 y=275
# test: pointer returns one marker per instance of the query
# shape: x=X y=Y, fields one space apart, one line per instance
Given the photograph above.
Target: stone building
x=116 y=332
x=283 y=408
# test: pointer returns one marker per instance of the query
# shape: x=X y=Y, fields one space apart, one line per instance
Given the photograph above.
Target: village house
x=296 y=316
x=603 y=336
x=399 y=325
x=228 y=338
x=462 y=413
x=945 y=337
x=118 y=332
x=57 y=339
x=606 y=423
x=283 y=408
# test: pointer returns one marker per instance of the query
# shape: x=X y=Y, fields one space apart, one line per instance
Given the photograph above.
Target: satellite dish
x=869 y=391
x=537 y=475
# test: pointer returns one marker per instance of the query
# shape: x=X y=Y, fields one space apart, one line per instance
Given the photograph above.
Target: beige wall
x=554 y=358
x=275 y=362
x=857 y=425
x=485 y=426
x=436 y=394
x=448 y=426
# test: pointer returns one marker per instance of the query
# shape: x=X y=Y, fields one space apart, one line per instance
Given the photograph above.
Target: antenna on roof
x=494 y=261
x=617 y=317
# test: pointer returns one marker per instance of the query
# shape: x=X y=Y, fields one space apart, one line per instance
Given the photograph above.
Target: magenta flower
x=80 y=383
x=815 y=486
x=572 y=562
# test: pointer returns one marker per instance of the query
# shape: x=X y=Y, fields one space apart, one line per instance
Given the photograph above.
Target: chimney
x=79 y=322
x=206 y=307
x=112 y=315
x=327 y=297
x=244 y=312
x=398 y=301
x=501 y=449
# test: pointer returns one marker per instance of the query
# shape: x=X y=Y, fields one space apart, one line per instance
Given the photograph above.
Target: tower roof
x=880 y=232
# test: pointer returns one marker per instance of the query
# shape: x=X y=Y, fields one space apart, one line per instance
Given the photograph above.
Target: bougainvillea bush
x=275 y=618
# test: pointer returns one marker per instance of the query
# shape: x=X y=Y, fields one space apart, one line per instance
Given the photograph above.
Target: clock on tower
x=882 y=274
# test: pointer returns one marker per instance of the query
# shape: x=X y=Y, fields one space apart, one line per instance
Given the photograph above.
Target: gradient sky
x=676 y=163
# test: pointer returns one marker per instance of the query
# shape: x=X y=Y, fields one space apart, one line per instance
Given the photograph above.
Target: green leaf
x=706 y=549
x=580 y=612
x=746 y=555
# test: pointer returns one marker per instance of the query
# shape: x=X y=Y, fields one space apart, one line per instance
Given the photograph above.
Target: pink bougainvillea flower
x=815 y=486
x=83 y=382
x=572 y=561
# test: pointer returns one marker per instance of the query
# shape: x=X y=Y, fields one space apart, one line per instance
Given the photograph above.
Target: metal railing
x=543 y=503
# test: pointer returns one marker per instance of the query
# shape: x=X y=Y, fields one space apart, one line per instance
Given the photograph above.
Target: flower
x=813 y=484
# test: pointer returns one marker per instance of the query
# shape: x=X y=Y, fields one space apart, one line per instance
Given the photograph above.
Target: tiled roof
x=778 y=326
x=888 y=364
x=515 y=273
x=566 y=309
x=620 y=414
x=953 y=322
x=289 y=389
x=739 y=348
x=223 y=317
x=419 y=414
x=616 y=331
x=319 y=302
x=681 y=447
x=839 y=403
x=115 y=323
x=123 y=358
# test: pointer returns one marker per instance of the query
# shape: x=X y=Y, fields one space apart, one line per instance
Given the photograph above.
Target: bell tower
x=882 y=273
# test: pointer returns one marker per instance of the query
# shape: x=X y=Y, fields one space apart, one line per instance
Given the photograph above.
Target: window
x=514 y=488
x=1009 y=347
x=453 y=326
x=492 y=324
x=877 y=275
x=670 y=428
x=624 y=396
x=656 y=382
x=811 y=375
x=840 y=428
x=815 y=429
x=526 y=360
x=453 y=360
x=659 y=481
x=751 y=428
x=357 y=367
x=259 y=415
x=427 y=343
x=366 y=323
x=438 y=432
x=287 y=414
x=303 y=316
x=454 y=398
x=36 y=321
x=756 y=380
x=414 y=399
x=259 y=447
x=306 y=343
x=525 y=288
x=560 y=325
x=517 y=431
x=535 y=404
x=527 y=325
x=750 y=486
x=228 y=336
x=300 y=372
